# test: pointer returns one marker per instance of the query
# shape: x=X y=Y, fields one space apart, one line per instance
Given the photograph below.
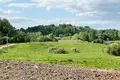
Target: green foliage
x=44 y=39
x=61 y=35
x=92 y=35
x=61 y=50
x=67 y=32
x=66 y=38
x=108 y=42
x=5 y=27
x=20 y=37
x=32 y=37
x=3 y=40
x=98 y=41
x=52 y=37
x=57 y=50
x=52 y=49
x=84 y=36
x=113 y=49
x=52 y=32
x=75 y=36
x=75 y=50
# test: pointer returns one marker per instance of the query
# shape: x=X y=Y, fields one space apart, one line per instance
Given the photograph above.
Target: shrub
x=70 y=60
x=61 y=51
x=113 y=49
x=75 y=50
x=3 y=40
x=52 y=49
x=98 y=41
x=44 y=39
x=108 y=42
x=57 y=50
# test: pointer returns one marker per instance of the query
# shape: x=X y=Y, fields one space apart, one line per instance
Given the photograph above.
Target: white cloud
x=4 y=1
x=20 y=19
x=23 y=5
x=91 y=8
x=87 y=13
x=91 y=12
x=20 y=22
x=48 y=9
x=7 y=12
x=74 y=5
x=69 y=5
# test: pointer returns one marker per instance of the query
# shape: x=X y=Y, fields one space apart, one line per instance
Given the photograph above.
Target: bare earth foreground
x=15 y=70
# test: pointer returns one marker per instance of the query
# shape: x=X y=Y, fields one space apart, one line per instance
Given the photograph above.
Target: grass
x=90 y=55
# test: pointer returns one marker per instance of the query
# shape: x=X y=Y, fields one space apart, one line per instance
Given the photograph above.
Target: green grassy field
x=91 y=55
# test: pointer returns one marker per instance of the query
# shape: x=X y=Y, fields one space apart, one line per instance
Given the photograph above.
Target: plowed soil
x=16 y=70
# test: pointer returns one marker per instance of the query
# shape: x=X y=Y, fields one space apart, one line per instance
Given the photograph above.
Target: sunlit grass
x=90 y=55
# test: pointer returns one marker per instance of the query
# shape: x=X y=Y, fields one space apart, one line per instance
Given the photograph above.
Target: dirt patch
x=15 y=70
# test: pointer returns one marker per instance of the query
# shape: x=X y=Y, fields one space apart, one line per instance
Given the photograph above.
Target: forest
x=44 y=33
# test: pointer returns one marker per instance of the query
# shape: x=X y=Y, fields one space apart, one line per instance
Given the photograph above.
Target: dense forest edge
x=44 y=33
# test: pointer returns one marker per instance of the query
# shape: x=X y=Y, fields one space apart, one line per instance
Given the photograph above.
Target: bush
x=52 y=49
x=44 y=39
x=3 y=40
x=108 y=42
x=75 y=50
x=98 y=41
x=56 y=50
x=61 y=51
x=113 y=49
x=47 y=39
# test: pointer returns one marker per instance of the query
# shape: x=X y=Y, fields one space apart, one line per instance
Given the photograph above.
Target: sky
x=98 y=14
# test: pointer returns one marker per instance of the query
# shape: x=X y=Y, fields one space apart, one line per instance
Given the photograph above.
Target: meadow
x=90 y=55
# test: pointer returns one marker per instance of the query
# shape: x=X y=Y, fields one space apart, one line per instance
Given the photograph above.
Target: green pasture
x=90 y=55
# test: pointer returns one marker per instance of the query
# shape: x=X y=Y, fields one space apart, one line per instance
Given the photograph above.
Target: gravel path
x=15 y=70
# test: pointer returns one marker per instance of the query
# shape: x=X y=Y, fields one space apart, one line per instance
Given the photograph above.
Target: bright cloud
x=4 y=1
x=91 y=8
x=7 y=12
x=23 y=5
x=69 y=5
x=84 y=12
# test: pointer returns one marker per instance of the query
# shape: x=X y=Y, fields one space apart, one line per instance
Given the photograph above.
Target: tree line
x=43 y=33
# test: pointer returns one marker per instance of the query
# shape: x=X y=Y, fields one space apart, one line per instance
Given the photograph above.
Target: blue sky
x=98 y=14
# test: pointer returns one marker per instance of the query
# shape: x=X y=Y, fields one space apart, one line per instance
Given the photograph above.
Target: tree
x=20 y=37
x=6 y=28
x=51 y=37
x=32 y=36
x=84 y=36
x=91 y=35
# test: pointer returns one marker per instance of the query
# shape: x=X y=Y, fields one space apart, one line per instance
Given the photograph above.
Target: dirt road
x=15 y=70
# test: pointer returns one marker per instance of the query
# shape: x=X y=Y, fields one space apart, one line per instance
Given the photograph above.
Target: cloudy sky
x=99 y=14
